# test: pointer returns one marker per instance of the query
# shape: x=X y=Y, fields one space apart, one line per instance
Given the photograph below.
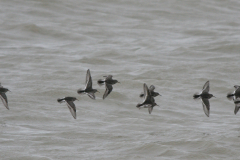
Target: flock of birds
x=148 y=95
x=108 y=81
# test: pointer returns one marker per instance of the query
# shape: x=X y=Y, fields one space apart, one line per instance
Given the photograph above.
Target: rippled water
x=47 y=46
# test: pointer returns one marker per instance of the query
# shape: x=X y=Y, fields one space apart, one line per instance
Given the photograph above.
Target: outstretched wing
x=151 y=88
x=236 y=109
x=146 y=92
x=109 y=77
x=236 y=86
x=72 y=108
x=237 y=105
x=87 y=77
x=91 y=95
x=108 y=90
x=150 y=109
x=88 y=80
x=4 y=99
x=206 y=87
x=206 y=106
x=237 y=92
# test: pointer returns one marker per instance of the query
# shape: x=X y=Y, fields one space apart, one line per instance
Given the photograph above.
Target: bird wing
x=72 y=108
x=237 y=105
x=146 y=92
x=206 y=87
x=88 y=80
x=150 y=109
x=206 y=106
x=4 y=99
x=151 y=88
x=87 y=77
x=237 y=92
x=236 y=109
x=91 y=94
x=236 y=86
x=108 y=90
x=109 y=77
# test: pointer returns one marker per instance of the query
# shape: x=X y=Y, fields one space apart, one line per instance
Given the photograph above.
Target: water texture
x=46 y=47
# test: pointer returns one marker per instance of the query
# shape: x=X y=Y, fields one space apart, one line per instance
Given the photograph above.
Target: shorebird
x=237 y=105
x=149 y=101
x=70 y=104
x=205 y=96
x=88 y=88
x=108 y=84
x=3 y=96
x=235 y=94
x=151 y=90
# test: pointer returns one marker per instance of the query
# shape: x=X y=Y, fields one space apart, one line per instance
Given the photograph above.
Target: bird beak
x=9 y=90
x=214 y=97
x=77 y=99
x=118 y=82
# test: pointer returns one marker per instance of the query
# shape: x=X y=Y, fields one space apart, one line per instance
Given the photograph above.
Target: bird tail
x=139 y=105
x=230 y=96
x=196 y=95
x=100 y=82
x=141 y=95
x=60 y=100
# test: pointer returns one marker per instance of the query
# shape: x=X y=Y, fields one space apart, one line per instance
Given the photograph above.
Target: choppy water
x=47 y=46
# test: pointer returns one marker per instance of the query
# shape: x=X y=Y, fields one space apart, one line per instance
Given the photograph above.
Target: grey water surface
x=46 y=47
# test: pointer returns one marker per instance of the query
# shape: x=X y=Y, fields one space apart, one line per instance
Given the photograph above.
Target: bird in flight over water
x=70 y=104
x=205 y=96
x=3 y=96
x=109 y=82
x=148 y=101
x=88 y=87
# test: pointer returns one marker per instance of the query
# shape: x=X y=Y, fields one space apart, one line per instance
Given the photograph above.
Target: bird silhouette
x=3 y=96
x=70 y=104
x=88 y=87
x=109 y=82
x=148 y=101
x=205 y=96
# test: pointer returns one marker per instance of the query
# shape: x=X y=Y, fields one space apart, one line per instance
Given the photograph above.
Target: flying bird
x=88 y=88
x=109 y=82
x=70 y=104
x=3 y=96
x=235 y=94
x=205 y=96
x=148 y=101
x=151 y=90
